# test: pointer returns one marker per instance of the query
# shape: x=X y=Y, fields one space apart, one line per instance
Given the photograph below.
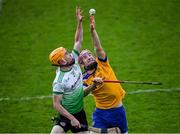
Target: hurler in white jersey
x=67 y=86
x=69 y=83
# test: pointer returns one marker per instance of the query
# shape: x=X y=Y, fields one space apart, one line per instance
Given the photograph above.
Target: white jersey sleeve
x=75 y=54
x=57 y=88
x=57 y=85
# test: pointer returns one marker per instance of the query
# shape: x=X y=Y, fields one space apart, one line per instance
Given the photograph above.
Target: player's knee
x=114 y=130
x=57 y=130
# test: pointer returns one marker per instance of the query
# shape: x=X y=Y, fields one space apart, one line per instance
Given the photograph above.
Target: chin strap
x=91 y=66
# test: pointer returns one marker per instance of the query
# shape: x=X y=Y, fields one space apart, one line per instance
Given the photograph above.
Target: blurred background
x=141 y=39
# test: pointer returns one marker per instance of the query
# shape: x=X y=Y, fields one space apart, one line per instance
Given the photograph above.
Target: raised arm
x=96 y=41
x=79 y=30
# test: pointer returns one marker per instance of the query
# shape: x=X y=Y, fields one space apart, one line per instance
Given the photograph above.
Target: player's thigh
x=57 y=129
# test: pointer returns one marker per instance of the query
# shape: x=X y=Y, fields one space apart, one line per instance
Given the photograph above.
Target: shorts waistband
x=118 y=106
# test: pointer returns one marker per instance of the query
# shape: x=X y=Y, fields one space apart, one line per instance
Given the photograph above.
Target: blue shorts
x=108 y=118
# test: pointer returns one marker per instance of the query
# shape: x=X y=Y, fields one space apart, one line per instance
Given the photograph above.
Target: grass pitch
x=140 y=37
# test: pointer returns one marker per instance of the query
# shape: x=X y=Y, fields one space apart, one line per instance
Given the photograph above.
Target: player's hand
x=92 y=22
x=98 y=81
x=75 y=123
x=79 y=14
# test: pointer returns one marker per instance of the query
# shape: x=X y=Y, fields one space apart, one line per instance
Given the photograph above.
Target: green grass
x=140 y=37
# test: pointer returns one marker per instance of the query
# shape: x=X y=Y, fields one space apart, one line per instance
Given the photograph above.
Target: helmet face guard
x=86 y=54
x=91 y=66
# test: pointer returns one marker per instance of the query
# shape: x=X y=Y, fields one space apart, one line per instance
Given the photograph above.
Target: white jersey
x=70 y=85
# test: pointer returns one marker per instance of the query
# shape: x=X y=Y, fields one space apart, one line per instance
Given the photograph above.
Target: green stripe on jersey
x=76 y=52
x=57 y=93
x=73 y=102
